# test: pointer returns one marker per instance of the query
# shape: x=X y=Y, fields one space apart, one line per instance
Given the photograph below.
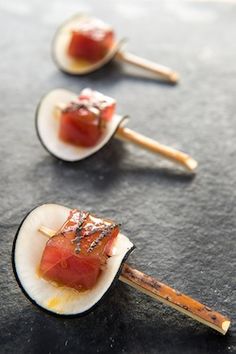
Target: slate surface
x=183 y=227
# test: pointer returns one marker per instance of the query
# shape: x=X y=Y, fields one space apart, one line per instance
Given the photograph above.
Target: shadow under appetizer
x=70 y=270
x=84 y=44
x=73 y=127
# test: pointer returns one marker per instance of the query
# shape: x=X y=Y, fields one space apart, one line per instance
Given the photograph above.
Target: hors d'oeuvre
x=70 y=270
x=73 y=127
x=84 y=44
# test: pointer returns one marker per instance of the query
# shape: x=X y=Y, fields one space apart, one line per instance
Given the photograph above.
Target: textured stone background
x=183 y=227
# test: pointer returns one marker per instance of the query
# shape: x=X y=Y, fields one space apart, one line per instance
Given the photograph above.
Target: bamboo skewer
x=167 y=295
x=160 y=70
x=179 y=157
x=175 y=299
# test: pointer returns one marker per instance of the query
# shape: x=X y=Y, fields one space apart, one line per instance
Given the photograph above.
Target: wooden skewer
x=167 y=295
x=179 y=157
x=162 y=71
x=154 y=146
x=175 y=299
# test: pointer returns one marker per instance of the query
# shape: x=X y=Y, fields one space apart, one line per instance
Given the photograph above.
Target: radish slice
x=28 y=247
x=47 y=127
x=76 y=66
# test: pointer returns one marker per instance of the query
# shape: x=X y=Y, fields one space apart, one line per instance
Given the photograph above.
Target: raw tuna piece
x=75 y=255
x=91 y=41
x=80 y=125
x=82 y=122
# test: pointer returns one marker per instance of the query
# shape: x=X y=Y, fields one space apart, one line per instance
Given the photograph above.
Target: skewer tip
x=225 y=326
x=46 y=231
x=191 y=164
x=174 y=77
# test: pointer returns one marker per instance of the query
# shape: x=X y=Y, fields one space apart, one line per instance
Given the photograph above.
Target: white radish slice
x=28 y=247
x=47 y=127
x=76 y=66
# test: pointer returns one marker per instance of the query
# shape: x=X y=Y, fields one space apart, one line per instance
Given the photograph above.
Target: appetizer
x=84 y=44
x=73 y=127
x=70 y=270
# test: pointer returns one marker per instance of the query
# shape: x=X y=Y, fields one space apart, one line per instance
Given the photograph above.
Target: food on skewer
x=70 y=270
x=49 y=119
x=84 y=44
x=33 y=252
x=73 y=127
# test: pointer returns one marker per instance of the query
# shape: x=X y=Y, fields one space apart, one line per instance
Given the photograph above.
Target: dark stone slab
x=184 y=228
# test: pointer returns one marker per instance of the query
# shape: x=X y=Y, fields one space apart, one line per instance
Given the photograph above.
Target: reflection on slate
x=184 y=228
